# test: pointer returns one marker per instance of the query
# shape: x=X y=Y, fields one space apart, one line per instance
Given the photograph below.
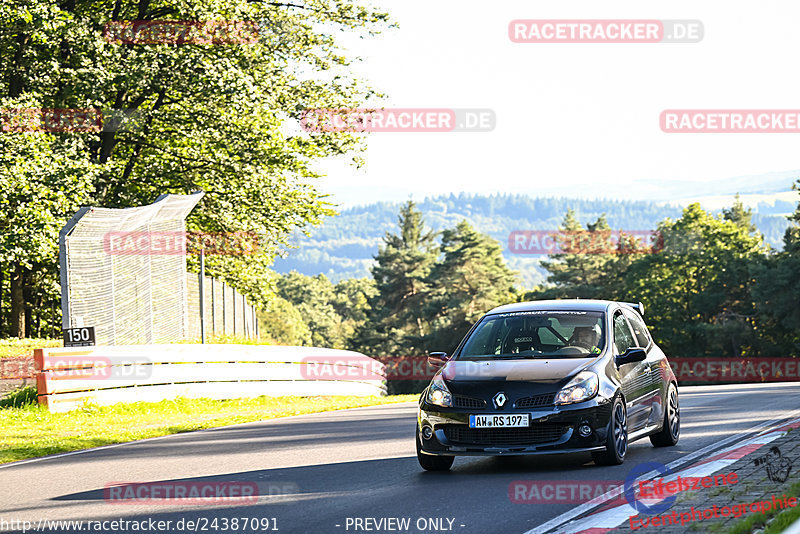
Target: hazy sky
x=571 y=114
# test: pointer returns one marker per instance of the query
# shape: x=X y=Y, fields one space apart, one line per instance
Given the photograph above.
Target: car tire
x=433 y=463
x=616 y=436
x=671 y=429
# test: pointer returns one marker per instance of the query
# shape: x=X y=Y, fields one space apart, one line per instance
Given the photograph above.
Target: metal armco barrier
x=70 y=378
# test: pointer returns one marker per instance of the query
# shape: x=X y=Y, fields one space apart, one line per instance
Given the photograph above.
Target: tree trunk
x=17 y=302
x=26 y=299
x=2 y=296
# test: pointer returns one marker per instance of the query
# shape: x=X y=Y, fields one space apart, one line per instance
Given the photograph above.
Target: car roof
x=555 y=305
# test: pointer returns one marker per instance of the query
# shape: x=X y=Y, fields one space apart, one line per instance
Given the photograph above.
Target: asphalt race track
x=326 y=471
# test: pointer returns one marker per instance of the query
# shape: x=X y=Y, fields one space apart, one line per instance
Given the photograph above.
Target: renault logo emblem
x=499 y=400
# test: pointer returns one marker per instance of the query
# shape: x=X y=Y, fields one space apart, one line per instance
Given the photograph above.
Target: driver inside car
x=587 y=337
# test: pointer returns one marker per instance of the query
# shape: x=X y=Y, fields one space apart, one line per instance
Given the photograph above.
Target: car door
x=634 y=377
x=655 y=396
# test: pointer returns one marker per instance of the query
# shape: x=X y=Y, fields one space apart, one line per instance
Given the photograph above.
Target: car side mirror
x=437 y=359
x=632 y=355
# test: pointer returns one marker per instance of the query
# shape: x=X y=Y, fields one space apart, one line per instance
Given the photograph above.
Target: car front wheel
x=617 y=436
x=433 y=463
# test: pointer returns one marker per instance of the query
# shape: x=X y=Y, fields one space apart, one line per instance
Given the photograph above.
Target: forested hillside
x=712 y=287
x=345 y=245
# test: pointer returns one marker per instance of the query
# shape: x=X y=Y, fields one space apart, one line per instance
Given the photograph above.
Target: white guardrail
x=69 y=378
x=794 y=528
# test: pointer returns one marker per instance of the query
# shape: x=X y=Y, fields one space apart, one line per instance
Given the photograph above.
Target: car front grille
x=535 y=401
x=462 y=401
x=538 y=433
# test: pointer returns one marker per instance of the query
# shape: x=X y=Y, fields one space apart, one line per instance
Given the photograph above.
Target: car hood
x=541 y=370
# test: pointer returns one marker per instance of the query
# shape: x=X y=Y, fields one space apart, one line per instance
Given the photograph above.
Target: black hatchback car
x=546 y=377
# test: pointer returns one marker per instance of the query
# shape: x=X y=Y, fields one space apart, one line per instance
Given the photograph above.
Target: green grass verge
x=29 y=431
x=238 y=340
x=23 y=348
x=783 y=518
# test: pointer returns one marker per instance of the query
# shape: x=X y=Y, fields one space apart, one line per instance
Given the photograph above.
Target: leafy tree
x=470 y=279
x=777 y=292
x=283 y=323
x=696 y=289
x=42 y=181
x=311 y=311
x=200 y=116
x=312 y=297
x=351 y=302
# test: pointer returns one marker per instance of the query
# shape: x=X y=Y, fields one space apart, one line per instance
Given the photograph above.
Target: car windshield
x=535 y=334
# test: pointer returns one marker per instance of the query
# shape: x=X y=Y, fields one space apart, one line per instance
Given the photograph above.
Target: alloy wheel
x=620 y=430
x=674 y=414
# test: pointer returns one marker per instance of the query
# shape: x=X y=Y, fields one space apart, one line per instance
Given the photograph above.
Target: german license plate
x=499 y=421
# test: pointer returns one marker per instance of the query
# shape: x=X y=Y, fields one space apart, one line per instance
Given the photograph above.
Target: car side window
x=623 y=339
x=639 y=328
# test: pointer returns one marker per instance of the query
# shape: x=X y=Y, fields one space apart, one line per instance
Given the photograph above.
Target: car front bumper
x=552 y=430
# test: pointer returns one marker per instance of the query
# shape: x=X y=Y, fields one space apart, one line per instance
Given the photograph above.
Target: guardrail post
x=245 y=329
x=202 y=296
x=213 y=310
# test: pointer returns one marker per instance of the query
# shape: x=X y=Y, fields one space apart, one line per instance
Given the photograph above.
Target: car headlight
x=582 y=387
x=438 y=393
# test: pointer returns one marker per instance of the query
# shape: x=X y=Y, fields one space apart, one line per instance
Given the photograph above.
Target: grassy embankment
x=29 y=431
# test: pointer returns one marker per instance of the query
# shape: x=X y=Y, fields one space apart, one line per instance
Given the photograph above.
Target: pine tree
x=791 y=239
x=396 y=324
x=739 y=215
x=470 y=279
x=581 y=271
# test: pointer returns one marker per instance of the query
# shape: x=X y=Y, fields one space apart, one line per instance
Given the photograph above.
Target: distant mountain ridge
x=344 y=246
x=647 y=189
x=674 y=190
